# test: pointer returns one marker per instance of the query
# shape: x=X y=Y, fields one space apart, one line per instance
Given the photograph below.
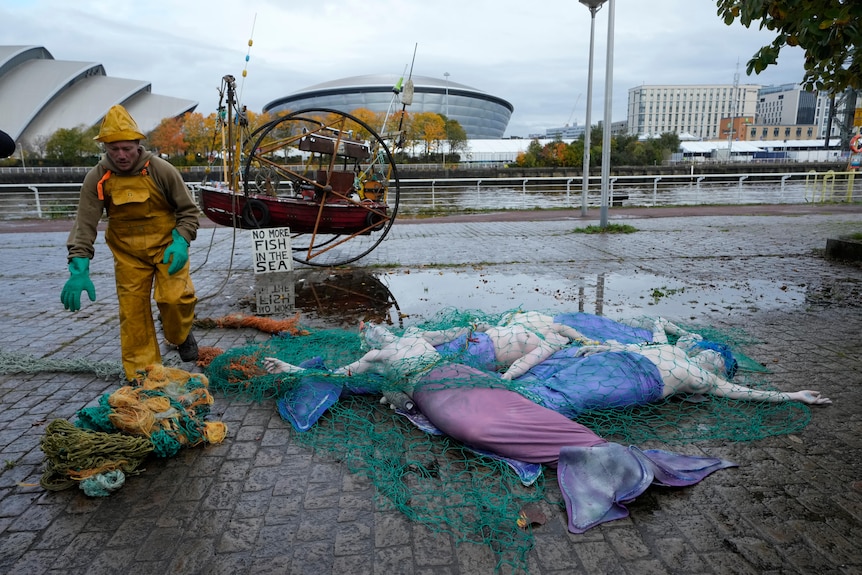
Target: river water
x=458 y=195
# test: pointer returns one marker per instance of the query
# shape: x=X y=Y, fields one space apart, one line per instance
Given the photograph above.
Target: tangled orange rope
x=136 y=413
x=264 y=324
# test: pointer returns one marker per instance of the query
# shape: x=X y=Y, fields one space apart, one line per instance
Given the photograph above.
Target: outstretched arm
x=523 y=364
x=671 y=328
x=368 y=362
x=694 y=379
x=662 y=328
x=808 y=397
x=572 y=334
x=438 y=336
x=609 y=345
x=275 y=365
x=723 y=388
x=681 y=375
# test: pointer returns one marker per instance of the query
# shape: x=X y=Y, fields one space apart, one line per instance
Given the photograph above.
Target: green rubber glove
x=80 y=281
x=177 y=253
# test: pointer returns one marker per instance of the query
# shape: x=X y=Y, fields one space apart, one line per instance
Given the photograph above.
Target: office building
x=695 y=110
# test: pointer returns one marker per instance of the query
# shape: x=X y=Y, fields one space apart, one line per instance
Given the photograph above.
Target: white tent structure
x=506 y=151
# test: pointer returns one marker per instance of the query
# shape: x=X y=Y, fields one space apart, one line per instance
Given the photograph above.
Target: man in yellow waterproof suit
x=152 y=218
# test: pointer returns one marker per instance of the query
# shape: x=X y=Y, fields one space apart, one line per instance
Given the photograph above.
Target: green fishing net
x=13 y=362
x=432 y=479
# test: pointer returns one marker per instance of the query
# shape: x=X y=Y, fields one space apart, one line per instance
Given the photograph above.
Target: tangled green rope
x=74 y=454
x=103 y=484
x=22 y=363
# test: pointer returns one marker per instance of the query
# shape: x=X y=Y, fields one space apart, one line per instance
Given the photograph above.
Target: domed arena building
x=40 y=95
x=479 y=113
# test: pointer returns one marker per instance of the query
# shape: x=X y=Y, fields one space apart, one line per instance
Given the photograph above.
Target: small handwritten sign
x=272 y=253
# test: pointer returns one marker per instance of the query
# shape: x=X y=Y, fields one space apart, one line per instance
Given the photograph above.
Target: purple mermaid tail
x=597 y=481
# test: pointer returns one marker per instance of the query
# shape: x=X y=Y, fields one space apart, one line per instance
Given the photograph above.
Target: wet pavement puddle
x=342 y=298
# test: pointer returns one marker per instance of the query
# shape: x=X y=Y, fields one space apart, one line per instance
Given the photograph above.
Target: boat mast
x=232 y=136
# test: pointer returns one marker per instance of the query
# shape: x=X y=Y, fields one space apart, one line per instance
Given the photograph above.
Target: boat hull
x=339 y=216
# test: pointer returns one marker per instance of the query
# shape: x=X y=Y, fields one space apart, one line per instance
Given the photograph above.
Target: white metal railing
x=463 y=194
x=453 y=195
x=49 y=201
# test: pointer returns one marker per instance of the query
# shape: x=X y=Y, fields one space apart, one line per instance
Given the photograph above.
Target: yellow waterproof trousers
x=140 y=222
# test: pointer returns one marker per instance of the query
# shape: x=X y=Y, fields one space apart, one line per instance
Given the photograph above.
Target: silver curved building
x=480 y=114
x=39 y=95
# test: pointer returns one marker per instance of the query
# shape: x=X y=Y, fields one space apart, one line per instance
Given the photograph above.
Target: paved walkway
x=261 y=503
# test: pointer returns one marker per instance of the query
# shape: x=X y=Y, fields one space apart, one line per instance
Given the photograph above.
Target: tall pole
x=606 y=131
x=446 y=75
x=733 y=111
x=594 y=7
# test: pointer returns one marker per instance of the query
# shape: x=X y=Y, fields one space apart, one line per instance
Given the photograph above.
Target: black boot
x=189 y=348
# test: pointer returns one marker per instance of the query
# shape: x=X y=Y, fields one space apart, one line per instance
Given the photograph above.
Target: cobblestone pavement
x=261 y=503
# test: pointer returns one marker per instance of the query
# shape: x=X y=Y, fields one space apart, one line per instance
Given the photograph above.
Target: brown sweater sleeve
x=82 y=237
x=170 y=181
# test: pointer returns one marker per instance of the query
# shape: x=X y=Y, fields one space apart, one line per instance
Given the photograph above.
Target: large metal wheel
x=329 y=178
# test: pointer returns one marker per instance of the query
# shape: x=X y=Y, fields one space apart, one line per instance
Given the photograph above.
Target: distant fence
x=454 y=195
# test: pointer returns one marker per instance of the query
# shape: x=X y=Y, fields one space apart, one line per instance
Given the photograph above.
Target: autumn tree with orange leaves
x=199 y=134
x=167 y=138
x=427 y=128
x=373 y=119
x=193 y=137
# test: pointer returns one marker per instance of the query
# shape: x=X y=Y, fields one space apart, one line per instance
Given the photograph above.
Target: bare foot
x=273 y=365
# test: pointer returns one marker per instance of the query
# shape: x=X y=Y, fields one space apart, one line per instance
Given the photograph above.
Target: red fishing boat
x=325 y=175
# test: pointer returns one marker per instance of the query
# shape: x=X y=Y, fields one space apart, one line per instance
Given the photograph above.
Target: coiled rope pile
x=164 y=410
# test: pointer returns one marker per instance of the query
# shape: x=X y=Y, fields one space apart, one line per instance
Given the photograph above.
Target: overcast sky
x=533 y=54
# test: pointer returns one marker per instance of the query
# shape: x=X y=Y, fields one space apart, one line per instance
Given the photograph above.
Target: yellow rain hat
x=118 y=126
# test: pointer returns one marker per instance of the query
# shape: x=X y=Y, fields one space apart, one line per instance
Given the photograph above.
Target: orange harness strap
x=144 y=171
x=99 y=185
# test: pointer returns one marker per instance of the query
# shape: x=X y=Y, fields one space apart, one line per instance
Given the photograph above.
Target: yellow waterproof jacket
x=90 y=208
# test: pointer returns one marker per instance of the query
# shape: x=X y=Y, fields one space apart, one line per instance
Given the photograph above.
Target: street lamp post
x=606 y=128
x=446 y=103
x=594 y=6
